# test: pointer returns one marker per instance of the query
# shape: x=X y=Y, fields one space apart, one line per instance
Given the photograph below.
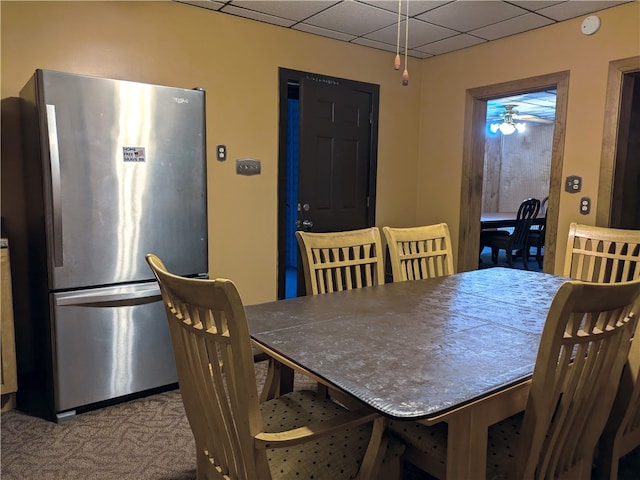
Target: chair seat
x=502 y=442
x=493 y=233
x=431 y=443
x=329 y=457
x=496 y=237
x=426 y=447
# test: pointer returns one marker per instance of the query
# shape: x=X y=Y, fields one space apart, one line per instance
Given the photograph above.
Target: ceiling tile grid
x=436 y=27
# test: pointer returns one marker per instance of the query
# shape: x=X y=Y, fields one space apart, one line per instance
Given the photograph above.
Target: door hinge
x=370 y=118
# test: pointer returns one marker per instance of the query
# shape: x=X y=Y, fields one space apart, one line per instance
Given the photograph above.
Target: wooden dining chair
x=609 y=255
x=583 y=348
x=537 y=233
x=297 y=435
x=419 y=252
x=518 y=240
x=621 y=434
x=601 y=254
x=336 y=261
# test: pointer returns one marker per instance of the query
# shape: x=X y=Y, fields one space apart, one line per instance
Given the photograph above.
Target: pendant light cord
x=405 y=74
x=396 y=63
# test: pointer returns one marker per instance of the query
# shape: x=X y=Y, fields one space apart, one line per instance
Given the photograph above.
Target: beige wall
x=556 y=48
x=516 y=167
x=237 y=60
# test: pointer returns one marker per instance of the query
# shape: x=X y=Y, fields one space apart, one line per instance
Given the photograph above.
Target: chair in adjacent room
x=236 y=436
x=583 y=348
x=518 y=240
x=610 y=255
x=601 y=254
x=336 y=261
x=537 y=233
x=419 y=252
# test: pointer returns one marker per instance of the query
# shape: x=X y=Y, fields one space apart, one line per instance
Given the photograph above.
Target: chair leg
x=494 y=255
x=539 y=256
x=607 y=459
x=525 y=259
x=510 y=258
x=278 y=382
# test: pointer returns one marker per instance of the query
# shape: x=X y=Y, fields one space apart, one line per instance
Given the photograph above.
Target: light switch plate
x=247 y=166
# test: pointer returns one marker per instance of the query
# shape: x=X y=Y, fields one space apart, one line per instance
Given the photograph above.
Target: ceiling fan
x=508 y=125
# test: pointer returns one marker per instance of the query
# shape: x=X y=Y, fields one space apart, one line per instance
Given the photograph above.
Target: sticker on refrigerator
x=134 y=154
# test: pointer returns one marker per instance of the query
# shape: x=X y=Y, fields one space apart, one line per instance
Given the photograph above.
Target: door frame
x=284 y=76
x=473 y=162
x=617 y=69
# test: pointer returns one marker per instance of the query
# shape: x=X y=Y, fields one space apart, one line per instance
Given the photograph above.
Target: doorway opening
x=474 y=161
x=291 y=193
x=328 y=131
x=517 y=161
x=618 y=194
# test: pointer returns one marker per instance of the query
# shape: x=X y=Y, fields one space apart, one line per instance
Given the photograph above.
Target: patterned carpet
x=147 y=438
x=142 y=439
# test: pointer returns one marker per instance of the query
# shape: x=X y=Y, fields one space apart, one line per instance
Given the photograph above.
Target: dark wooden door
x=625 y=202
x=327 y=172
x=334 y=161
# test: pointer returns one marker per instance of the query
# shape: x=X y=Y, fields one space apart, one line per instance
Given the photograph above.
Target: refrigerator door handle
x=55 y=185
x=111 y=297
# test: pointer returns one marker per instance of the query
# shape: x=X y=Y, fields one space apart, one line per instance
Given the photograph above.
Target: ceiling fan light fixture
x=507 y=128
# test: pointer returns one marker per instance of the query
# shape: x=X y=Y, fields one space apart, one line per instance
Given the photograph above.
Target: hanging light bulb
x=405 y=74
x=396 y=63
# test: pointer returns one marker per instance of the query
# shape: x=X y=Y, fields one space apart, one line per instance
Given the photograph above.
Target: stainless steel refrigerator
x=113 y=170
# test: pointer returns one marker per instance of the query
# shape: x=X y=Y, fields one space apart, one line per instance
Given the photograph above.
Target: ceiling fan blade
x=533 y=119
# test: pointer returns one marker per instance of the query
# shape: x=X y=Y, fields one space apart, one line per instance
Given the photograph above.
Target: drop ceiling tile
x=512 y=26
x=286 y=9
x=418 y=54
x=253 y=15
x=534 y=5
x=419 y=33
x=450 y=44
x=575 y=8
x=352 y=17
x=373 y=44
x=389 y=48
x=415 y=6
x=304 y=27
x=469 y=15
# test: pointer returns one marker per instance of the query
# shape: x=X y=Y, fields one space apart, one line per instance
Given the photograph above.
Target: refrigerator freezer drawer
x=109 y=342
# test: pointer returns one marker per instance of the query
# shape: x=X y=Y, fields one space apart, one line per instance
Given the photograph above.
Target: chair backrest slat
x=419 y=252
x=336 y=261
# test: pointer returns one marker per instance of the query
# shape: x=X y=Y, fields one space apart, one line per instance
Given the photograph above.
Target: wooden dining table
x=459 y=349
x=489 y=220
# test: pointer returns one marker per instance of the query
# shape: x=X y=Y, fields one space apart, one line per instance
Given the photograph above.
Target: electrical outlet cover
x=573 y=184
